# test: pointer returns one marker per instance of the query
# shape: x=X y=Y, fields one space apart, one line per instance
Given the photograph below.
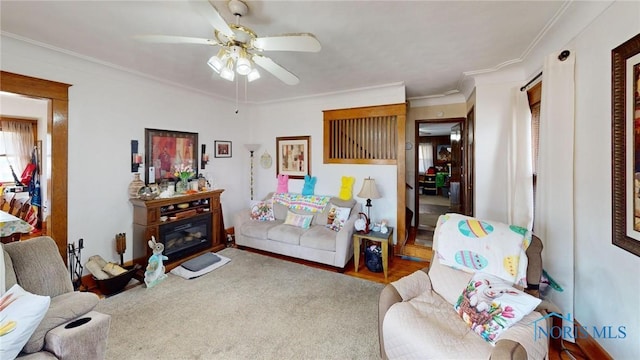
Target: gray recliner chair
x=36 y=265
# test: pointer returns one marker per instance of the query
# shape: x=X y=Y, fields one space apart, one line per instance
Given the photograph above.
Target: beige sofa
x=436 y=331
x=36 y=266
x=317 y=243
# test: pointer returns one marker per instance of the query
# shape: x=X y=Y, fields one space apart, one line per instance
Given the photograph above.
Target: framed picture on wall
x=222 y=149
x=293 y=155
x=165 y=150
x=443 y=153
x=625 y=162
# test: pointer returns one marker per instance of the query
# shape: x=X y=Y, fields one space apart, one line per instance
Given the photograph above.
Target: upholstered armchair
x=67 y=327
x=420 y=316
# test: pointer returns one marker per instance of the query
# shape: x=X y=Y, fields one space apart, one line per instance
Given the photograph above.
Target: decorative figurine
x=155 y=269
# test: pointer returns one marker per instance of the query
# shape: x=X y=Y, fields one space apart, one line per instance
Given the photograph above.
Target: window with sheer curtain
x=425 y=157
x=16 y=144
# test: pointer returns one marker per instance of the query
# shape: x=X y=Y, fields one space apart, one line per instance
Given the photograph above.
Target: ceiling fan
x=241 y=48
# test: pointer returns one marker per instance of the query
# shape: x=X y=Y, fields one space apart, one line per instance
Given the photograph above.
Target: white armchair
x=417 y=319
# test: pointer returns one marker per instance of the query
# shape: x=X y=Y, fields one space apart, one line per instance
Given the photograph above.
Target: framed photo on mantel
x=165 y=150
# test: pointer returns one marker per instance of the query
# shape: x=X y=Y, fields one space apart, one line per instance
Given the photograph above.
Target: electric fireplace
x=185 y=237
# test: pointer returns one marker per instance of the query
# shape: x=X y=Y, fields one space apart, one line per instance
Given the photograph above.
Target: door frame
x=418 y=122
x=57 y=95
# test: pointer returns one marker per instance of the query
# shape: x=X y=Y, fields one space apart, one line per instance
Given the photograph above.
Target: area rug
x=254 y=307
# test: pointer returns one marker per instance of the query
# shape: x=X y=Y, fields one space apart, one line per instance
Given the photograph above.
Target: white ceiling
x=427 y=45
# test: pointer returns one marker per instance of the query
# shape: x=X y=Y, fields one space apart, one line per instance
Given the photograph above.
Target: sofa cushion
x=63 y=308
x=286 y=234
x=427 y=327
x=27 y=310
x=489 y=305
x=257 y=229
x=279 y=211
x=319 y=237
x=35 y=257
x=299 y=220
x=10 y=276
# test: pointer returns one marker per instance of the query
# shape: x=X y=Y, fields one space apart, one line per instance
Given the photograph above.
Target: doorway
x=439 y=165
x=57 y=95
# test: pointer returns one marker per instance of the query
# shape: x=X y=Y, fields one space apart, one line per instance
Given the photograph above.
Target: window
x=535 y=96
x=17 y=141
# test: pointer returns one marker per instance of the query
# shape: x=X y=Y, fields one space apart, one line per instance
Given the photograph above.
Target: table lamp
x=369 y=191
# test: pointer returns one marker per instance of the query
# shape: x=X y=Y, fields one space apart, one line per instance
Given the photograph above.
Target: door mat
x=188 y=274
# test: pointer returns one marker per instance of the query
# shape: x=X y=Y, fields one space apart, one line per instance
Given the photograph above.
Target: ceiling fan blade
x=288 y=42
x=209 y=12
x=169 y=39
x=275 y=69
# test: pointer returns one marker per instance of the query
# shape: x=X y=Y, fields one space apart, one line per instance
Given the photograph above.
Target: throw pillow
x=2 y=288
x=262 y=211
x=20 y=316
x=302 y=221
x=309 y=185
x=283 y=184
x=337 y=217
x=346 y=188
x=489 y=305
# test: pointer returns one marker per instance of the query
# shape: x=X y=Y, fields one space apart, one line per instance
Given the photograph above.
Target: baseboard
x=585 y=346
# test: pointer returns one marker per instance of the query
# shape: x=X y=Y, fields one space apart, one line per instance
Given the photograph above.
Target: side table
x=383 y=239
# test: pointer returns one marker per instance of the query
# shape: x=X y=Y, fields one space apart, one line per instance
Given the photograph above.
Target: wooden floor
x=398 y=267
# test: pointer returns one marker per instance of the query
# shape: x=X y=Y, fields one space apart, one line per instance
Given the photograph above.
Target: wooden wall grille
x=361 y=136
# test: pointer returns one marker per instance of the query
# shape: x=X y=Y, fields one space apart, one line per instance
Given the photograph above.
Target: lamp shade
x=252 y=147
x=369 y=190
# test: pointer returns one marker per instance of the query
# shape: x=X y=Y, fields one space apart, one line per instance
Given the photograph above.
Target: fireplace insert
x=182 y=238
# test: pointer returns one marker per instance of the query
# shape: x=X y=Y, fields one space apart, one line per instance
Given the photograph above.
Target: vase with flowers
x=183 y=173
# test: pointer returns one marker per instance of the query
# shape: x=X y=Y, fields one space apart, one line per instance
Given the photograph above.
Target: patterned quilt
x=310 y=203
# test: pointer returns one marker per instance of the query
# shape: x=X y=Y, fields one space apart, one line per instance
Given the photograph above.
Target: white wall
x=305 y=117
x=107 y=109
x=607 y=281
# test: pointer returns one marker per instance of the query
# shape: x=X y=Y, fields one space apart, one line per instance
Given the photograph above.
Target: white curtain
x=425 y=157
x=520 y=163
x=18 y=141
x=554 y=215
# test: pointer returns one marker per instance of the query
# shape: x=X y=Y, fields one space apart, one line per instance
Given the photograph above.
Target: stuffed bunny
x=309 y=185
x=283 y=184
x=155 y=269
x=346 y=188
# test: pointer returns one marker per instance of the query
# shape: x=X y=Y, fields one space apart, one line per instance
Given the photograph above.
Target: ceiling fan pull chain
x=237 y=94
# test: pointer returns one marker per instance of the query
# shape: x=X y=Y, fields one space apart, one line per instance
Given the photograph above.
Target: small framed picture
x=222 y=149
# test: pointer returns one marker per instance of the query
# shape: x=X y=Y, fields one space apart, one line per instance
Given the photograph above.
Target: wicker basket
x=116 y=284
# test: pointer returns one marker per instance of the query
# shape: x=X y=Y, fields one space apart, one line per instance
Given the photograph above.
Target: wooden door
x=469 y=164
x=456 y=168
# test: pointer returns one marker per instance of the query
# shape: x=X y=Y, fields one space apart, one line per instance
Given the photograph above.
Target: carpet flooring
x=254 y=307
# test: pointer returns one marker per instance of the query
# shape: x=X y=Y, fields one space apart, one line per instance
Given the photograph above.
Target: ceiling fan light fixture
x=217 y=62
x=227 y=71
x=253 y=75
x=243 y=66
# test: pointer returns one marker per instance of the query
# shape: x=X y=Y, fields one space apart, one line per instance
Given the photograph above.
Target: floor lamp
x=252 y=148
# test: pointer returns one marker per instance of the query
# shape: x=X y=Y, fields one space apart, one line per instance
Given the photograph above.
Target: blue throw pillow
x=309 y=185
